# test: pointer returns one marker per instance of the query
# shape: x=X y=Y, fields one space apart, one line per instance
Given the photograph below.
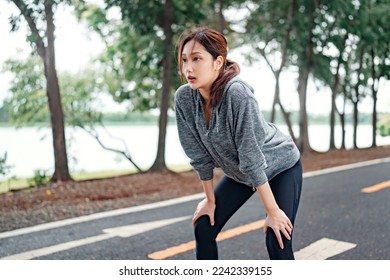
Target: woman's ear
x=218 y=63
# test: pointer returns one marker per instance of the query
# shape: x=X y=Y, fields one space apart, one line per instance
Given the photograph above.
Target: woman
x=220 y=125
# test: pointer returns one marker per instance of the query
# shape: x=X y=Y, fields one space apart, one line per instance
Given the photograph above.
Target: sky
x=75 y=45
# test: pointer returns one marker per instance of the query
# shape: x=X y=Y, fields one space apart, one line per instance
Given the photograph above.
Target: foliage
x=40 y=177
x=135 y=46
x=4 y=114
x=384 y=126
x=28 y=102
x=4 y=167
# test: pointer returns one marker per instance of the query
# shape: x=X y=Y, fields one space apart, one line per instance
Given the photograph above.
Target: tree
x=333 y=45
x=141 y=52
x=37 y=13
x=268 y=30
x=80 y=95
x=377 y=34
x=305 y=60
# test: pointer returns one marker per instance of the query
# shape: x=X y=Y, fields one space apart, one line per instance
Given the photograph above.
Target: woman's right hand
x=205 y=207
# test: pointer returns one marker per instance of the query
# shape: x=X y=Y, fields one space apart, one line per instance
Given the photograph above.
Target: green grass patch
x=14 y=184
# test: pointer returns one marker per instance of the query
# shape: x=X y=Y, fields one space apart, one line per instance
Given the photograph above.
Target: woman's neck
x=205 y=94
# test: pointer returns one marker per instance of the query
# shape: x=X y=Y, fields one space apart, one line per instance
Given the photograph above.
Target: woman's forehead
x=193 y=47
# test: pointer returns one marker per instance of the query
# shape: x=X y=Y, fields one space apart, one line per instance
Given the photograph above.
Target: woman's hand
x=205 y=207
x=280 y=223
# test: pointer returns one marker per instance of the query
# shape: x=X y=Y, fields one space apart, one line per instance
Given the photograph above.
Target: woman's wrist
x=267 y=198
x=272 y=210
x=208 y=188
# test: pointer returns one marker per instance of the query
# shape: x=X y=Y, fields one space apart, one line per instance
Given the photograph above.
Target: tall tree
x=268 y=30
x=152 y=51
x=141 y=52
x=35 y=13
x=159 y=163
x=377 y=35
x=333 y=45
x=308 y=12
x=80 y=98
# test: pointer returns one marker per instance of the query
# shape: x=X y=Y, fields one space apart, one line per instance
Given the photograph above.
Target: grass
x=24 y=183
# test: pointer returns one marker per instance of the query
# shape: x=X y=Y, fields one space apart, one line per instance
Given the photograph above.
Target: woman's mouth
x=191 y=79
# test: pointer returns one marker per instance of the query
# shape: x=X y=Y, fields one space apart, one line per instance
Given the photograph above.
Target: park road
x=343 y=215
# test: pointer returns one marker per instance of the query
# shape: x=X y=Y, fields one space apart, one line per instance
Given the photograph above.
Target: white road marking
x=323 y=249
x=125 y=231
x=100 y=215
x=345 y=167
x=160 y=204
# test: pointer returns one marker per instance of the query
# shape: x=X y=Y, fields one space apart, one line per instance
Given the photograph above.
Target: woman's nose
x=187 y=67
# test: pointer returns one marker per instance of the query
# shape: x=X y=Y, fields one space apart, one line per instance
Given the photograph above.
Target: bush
x=40 y=177
x=384 y=128
x=4 y=168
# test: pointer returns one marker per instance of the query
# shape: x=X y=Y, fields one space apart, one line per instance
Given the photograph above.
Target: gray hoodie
x=238 y=140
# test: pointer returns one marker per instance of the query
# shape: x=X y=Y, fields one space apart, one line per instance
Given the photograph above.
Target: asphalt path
x=338 y=218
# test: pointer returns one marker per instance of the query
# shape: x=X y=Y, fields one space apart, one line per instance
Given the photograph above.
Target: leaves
x=28 y=102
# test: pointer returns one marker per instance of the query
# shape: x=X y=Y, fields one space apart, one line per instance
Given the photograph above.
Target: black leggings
x=230 y=196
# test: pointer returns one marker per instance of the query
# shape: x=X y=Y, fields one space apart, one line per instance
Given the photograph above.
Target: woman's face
x=199 y=67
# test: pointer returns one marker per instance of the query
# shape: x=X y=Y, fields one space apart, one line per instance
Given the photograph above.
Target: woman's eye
x=184 y=60
x=196 y=58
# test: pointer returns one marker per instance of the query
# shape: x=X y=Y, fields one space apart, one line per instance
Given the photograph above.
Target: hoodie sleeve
x=199 y=158
x=249 y=139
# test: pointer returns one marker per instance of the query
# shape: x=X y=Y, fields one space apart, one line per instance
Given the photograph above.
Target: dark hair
x=214 y=43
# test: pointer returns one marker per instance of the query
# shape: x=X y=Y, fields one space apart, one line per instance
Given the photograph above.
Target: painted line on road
x=345 y=167
x=124 y=232
x=319 y=250
x=323 y=249
x=377 y=187
x=185 y=247
x=160 y=204
x=100 y=215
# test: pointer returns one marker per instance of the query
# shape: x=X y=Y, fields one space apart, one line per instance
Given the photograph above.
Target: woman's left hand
x=280 y=223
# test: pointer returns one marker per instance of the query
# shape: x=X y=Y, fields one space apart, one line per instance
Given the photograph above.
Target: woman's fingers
x=279 y=238
x=212 y=222
x=204 y=209
x=286 y=234
x=194 y=218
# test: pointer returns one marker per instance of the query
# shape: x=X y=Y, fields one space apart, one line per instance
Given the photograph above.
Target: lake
x=31 y=148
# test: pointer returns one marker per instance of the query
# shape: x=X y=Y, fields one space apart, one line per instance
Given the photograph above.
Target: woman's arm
x=276 y=218
x=207 y=205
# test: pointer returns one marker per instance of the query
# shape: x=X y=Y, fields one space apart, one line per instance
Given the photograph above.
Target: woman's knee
x=203 y=230
x=274 y=250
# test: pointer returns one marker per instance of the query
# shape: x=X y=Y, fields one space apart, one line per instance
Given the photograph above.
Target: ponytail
x=230 y=70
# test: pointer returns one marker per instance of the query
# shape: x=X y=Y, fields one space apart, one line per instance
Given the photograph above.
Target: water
x=31 y=148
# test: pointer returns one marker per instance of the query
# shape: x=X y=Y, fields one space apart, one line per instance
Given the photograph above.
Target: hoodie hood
x=215 y=114
x=228 y=85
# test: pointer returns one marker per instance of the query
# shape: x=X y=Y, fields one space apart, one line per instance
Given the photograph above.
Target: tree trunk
x=61 y=171
x=303 y=142
x=285 y=114
x=159 y=163
x=290 y=17
x=374 y=98
x=47 y=54
x=342 y=120
x=335 y=88
x=332 y=145
x=355 y=119
x=275 y=102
